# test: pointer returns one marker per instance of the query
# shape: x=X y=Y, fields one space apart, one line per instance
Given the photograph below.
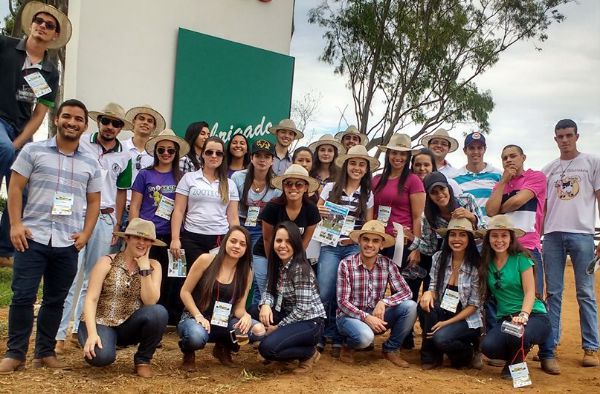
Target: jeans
x=259 y=268
x=581 y=249
x=97 y=246
x=456 y=340
x=7 y=157
x=167 y=295
x=329 y=260
x=58 y=267
x=504 y=346
x=145 y=326
x=539 y=271
x=194 y=337
x=400 y=318
x=295 y=341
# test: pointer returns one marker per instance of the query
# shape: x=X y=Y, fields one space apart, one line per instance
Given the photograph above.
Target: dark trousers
x=457 y=340
x=58 y=267
x=168 y=297
x=502 y=346
x=145 y=326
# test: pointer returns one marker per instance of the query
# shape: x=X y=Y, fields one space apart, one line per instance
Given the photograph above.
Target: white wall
x=124 y=50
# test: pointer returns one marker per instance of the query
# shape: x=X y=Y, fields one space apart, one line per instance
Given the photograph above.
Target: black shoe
x=335 y=351
x=505 y=374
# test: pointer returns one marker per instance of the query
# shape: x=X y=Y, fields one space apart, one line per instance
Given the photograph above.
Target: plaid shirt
x=186 y=165
x=468 y=287
x=301 y=300
x=359 y=289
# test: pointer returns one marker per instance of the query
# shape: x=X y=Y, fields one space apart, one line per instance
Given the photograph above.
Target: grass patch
x=5 y=290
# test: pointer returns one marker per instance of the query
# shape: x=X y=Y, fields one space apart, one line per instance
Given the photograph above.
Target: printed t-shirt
x=152 y=185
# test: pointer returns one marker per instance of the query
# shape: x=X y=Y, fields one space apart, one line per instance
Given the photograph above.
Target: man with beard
x=116 y=176
x=63 y=181
x=285 y=132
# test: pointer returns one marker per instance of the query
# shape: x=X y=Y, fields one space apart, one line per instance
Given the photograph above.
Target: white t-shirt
x=138 y=159
x=571 y=194
x=206 y=213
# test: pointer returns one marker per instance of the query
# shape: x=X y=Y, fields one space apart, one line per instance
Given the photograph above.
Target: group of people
x=103 y=221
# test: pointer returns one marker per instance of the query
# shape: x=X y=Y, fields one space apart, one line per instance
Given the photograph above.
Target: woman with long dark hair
x=238 y=154
x=290 y=308
x=449 y=311
x=214 y=295
x=304 y=157
x=325 y=152
x=195 y=135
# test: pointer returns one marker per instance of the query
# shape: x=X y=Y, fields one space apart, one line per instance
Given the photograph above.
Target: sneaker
x=307 y=365
x=550 y=366
x=394 y=358
x=590 y=358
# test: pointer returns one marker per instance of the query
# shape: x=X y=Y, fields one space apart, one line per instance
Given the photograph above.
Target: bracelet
x=524 y=315
x=146 y=272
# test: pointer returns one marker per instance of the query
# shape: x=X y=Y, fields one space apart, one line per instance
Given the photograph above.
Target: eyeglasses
x=497 y=276
x=297 y=184
x=41 y=22
x=115 y=122
x=161 y=150
x=210 y=152
x=138 y=162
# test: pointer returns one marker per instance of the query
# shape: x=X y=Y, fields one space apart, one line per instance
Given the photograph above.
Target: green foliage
x=5 y=289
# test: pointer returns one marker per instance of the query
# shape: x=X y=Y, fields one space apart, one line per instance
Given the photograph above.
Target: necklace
x=563 y=170
x=258 y=186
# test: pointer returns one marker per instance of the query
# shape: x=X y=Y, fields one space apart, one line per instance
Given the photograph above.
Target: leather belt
x=105 y=211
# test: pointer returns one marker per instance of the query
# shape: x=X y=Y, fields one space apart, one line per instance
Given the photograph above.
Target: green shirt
x=509 y=292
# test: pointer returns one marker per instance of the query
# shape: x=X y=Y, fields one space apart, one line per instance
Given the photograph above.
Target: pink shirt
x=400 y=203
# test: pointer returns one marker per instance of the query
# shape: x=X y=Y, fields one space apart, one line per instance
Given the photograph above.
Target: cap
x=263 y=146
x=434 y=179
x=475 y=136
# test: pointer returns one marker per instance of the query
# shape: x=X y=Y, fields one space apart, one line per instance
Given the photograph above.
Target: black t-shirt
x=274 y=214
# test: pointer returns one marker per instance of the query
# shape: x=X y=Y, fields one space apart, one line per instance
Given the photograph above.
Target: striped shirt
x=360 y=289
x=50 y=171
x=480 y=184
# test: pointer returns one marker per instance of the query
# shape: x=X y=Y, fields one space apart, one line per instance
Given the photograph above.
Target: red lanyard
x=521 y=349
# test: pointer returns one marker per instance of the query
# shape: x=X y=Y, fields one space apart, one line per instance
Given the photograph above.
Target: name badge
x=177 y=267
x=165 y=207
x=383 y=214
x=221 y=313
x=279 y=302
x=520 y=375
x=38 y=84
x=252 y=216
x=348 y=225
x=63 y=204
x=450 y=300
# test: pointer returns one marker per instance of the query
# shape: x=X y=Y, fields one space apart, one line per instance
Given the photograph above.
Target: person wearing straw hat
x=116 y=176
x=441 y=144
x=325 y=152
x=352 y=137
x=153 y=197
x=507 y=273
x=121 y=304
x=351 y=189
x=364 y=310
x=28 y=87
x=449 y=311
x=285 y=133
x=292 y=205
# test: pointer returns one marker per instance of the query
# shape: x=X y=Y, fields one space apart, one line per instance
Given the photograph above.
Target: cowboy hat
x=398 y=142
x=112 y=110
x=64 y=29
x=296 y=171
x=364 y=139
x=441 y=134
x=327 y=139
x=462 y=224
x=287 y=124
x=169 y=135
x=146 y=109
x=373 y=227
x=360 y=152
x=502 y=222
x=141 y=228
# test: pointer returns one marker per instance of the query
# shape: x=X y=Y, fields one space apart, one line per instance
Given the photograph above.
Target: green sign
x=236 y=88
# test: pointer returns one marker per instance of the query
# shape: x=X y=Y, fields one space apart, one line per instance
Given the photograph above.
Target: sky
x=531 y=89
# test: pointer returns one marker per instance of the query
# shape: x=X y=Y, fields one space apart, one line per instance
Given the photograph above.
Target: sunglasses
x=115 y=122
x=42 y=22
x=497 y=276
x=210 y=152
x=161 y=150
x=298 y=184
x=138 y=162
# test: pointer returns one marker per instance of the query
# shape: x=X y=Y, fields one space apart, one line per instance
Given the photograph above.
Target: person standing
x=238 y=154
x=441 y=144
x=326 y=151
x=195 y=135
x=285 y=133
x=63 y=180
x=352 y=137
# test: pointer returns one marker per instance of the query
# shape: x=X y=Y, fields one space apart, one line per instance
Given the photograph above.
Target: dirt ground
x=369 y=374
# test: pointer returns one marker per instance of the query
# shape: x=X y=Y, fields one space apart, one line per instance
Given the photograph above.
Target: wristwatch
x=146 y=272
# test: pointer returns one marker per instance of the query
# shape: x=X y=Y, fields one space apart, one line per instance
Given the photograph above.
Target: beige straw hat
x=161 y=124
x=360 y=152
x=287 y=124
x=168 y=134
x=373 y=227
x=327 y=139
x=113 y=110
x=502 y=222
x=400 y=143
x=296 y=171
x=364 y=139
x=32 y=8
x=141 y=228
x=441 y=134
x=463 y=224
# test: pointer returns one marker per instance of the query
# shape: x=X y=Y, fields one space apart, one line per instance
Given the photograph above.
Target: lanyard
x=60 y=155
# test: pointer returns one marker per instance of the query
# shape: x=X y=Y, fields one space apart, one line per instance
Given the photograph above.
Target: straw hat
x=161 y=124
x=462 y=224
x=33 y=8
x=357 y=151
x=327 y=139
x=141 y=228
x=113 y=110
x=442 y=134
x=168 y=134
x=296 y=171
x=502 y=222
x=287 y=124
x=364 y=139
x=373 y=227
x=400 y=143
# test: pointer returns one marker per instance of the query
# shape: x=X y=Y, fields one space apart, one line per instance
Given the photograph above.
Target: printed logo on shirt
x=204 y=193
x=116 y=168
x=155 y=192
x=567 y=187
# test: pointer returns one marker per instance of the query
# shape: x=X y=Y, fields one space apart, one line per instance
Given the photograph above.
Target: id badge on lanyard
x=38 y=84
x=450 y=300
x=252 y=216
x=520 y=375
x=62 y=204
x=165 y=207
x=221 y=313
x=383 y=214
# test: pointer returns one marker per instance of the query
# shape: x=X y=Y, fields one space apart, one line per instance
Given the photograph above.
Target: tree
x=420 y=58
x=303 y=111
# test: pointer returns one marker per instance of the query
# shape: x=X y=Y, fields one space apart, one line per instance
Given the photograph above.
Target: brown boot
x=49 y=362
x=347 y=355
x=550 y=366
x=394 y=358
x=189 y=362
x=590 y=358
x=10 y=365
x=143 y=370
x=307 y=365
x=223 y=354
x=59 y=348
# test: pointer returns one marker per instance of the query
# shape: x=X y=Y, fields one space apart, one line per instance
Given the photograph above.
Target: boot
x=143 y=370
x=308 y=364
x=10 y=365
x=223 y=354
x=347 y=355
x=49 y=362
x=189 y=362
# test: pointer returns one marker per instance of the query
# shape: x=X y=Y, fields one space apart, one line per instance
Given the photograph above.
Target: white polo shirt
x=206 y=213
x=138 y=158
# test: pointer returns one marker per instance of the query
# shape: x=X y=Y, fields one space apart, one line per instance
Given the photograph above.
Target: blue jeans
x=58 y=267
x=295 y=341
x=329 y=260
x=259 y=268
x=400 y=318
x=539 y=271
x=194 y=337
x=581 y=249
x=97 y=246
x=7 y=157
x=145 y=326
